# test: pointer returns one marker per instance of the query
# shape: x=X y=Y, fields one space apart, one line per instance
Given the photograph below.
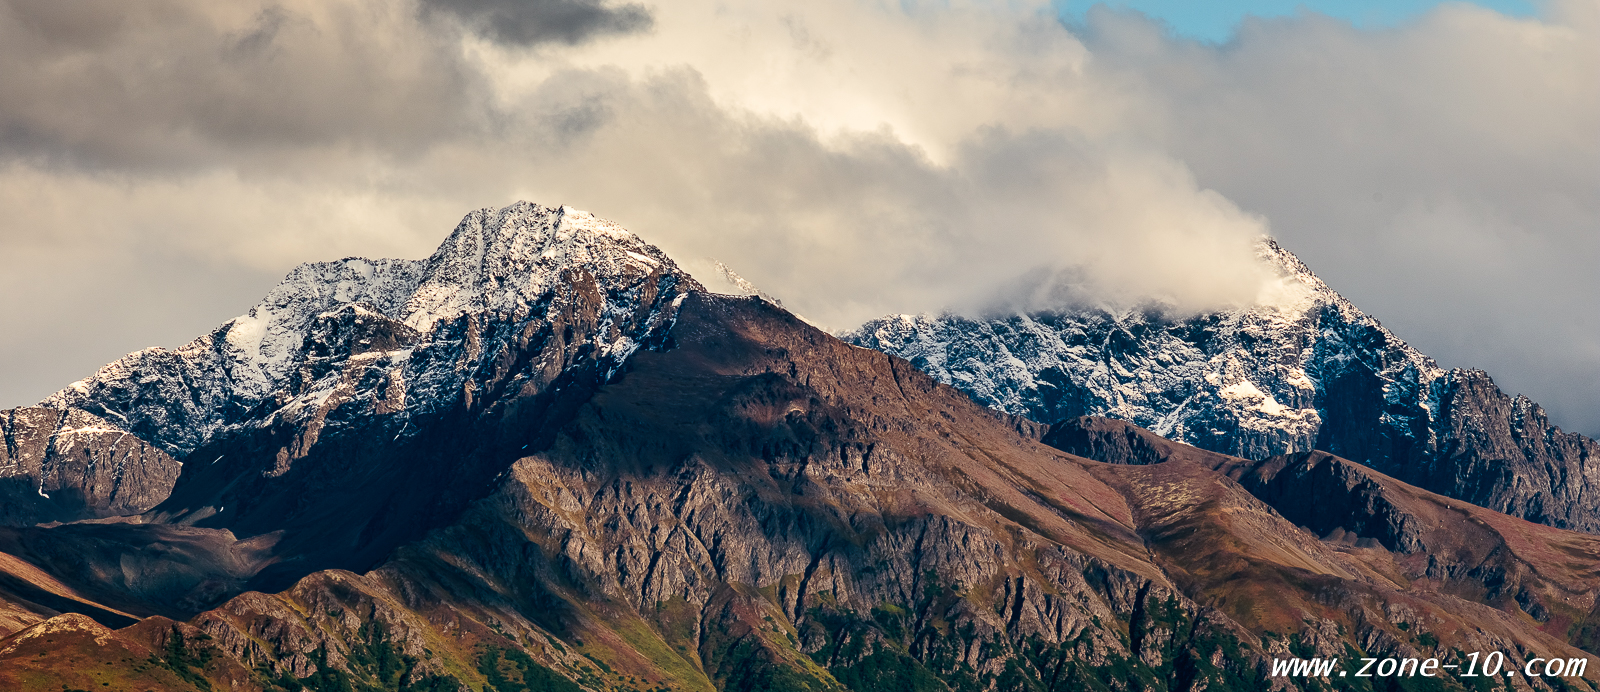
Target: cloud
x=856 y=159
x=180 y=84
x=531 y=22
x=852 y=157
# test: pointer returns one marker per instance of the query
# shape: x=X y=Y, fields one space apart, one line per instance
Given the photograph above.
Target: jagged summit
x=1237 y=381
x=1302 y=369
x=502 y=261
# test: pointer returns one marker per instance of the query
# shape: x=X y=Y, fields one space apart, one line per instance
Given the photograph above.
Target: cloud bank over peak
x=852 y=157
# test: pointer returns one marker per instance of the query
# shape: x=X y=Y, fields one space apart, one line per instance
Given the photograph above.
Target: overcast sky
x=164 y=163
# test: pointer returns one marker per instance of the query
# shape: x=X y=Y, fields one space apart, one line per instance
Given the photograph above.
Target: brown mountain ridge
x=752 y=504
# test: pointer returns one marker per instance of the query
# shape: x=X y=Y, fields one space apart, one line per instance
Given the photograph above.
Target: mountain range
x=547 y=458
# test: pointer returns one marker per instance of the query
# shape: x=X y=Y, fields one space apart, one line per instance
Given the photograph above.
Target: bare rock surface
x=69 y=464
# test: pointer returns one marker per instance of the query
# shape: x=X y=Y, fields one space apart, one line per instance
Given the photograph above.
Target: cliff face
x=68 y=464
x=570 y=468
x=1303 y=370
x=1502 y=452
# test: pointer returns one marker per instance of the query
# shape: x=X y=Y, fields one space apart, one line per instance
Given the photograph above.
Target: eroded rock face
x=67 y=465
x=1306 y=370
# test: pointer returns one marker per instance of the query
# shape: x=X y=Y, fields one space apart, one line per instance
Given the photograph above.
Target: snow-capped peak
x=504 y=262
x=1244 y=381
x=496 y=259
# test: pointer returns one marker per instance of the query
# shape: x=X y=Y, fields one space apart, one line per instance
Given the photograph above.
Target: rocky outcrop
x=67 y=465
x=1502 y=452
x=407 y=325
x=1302 y=370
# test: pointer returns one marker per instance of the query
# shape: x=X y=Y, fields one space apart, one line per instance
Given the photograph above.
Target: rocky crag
x=64 y=464
x=577 y=470
x=1302 y=370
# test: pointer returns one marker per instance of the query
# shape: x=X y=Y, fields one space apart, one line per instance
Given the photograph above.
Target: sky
x=164 y=163
x=1215 y=20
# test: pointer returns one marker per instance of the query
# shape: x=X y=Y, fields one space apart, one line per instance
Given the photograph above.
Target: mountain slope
x=1303 y=370
x=627 y=483
x=66 y=464
x=759 y=506
x=356 y=350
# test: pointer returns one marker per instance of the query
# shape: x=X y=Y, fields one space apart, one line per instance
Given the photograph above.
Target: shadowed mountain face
x=1304 y=371
x=739 y=501
x=68 y=464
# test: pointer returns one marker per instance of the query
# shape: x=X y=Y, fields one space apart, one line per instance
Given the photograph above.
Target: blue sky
x=1215 y=20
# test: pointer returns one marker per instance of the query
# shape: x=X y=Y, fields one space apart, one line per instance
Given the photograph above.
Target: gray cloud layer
x=531 y=22
x=850 y=157
x=176 y=84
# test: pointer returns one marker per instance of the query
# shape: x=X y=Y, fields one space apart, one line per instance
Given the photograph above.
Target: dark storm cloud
x=191 y=84
x=531 y=22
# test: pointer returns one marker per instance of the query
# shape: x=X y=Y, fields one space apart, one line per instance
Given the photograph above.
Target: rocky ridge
x=345 y=343
x=287 y=351
x=753 y=505
x=68 y=464
x=621 y=482
x=1302 y=370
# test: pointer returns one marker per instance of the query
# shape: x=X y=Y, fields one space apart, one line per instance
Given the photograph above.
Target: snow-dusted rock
x=505 y=263
x=1302 y=369
x=363 y=344
x=62 y=465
